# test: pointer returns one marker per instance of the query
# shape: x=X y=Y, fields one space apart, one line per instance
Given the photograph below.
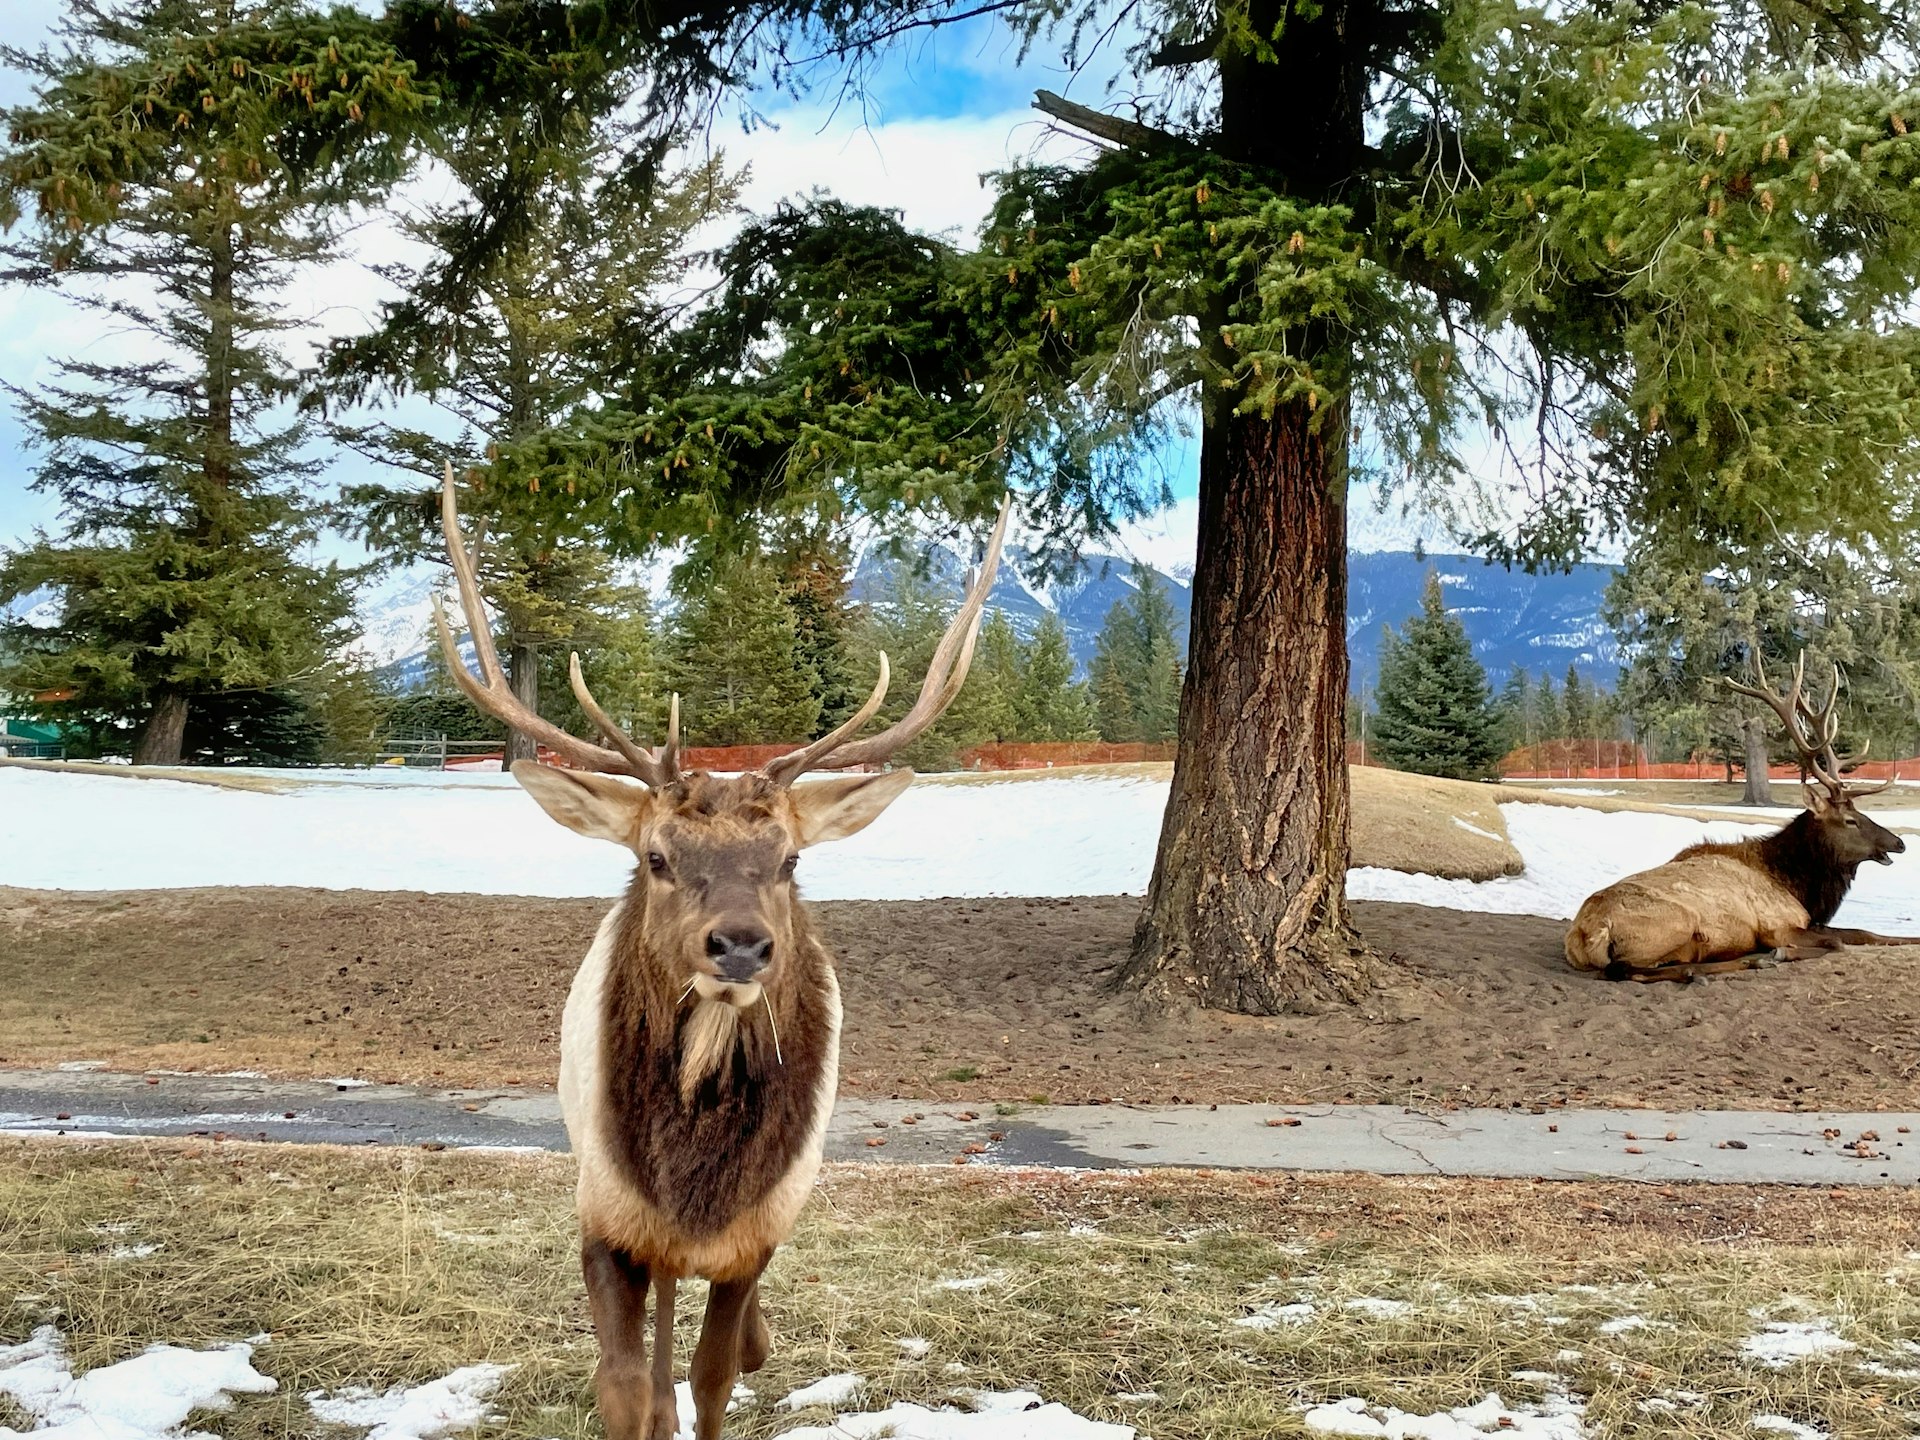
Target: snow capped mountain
x=1541 y=622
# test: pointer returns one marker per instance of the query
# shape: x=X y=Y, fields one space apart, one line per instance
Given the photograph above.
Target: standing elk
x=1724 y=906
x=700 y=1046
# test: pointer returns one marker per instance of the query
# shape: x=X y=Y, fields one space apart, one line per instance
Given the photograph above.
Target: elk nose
x=739 y=952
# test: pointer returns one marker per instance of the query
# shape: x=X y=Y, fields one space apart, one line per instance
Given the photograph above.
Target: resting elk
x=699 y=1049
x=1728 y=906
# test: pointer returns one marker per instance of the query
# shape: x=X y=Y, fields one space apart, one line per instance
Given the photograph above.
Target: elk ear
x=1818 y=800
x=599 y=807
x=835 y=809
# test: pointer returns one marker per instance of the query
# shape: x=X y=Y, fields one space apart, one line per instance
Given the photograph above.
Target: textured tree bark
x=523 y=675
x=162 y=739
x=1759 y=791
x=1247 y=910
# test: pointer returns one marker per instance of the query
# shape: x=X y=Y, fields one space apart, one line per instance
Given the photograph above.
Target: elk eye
x=787 y=865
x=656 y=862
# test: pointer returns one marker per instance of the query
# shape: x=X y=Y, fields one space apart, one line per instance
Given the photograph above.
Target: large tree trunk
x=523 y=675
x=1247 y=910
x=163 y=738
x=1759 y=791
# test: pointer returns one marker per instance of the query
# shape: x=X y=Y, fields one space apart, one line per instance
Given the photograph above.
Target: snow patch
x=830 y=1390
x=1010 y=1415
x=1268 y=1317
x=148 y=1397
x=1375 y=1308
x=1781 y=1425
x=1786 y=1342
x=914 y=1347
x=1557 y=1417
x=457 y=1401
x=1476 y=830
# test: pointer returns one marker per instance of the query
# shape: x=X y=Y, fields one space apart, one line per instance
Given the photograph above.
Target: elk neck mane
x=709 y=1107
x=1799 y=857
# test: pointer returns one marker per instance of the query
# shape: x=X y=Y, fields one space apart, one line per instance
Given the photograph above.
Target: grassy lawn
x=388 y=1266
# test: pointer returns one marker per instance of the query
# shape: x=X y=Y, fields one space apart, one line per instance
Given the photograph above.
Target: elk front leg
x=716 y=1360
x=1869 y=937
x=617 y=1295
x=666 y=1412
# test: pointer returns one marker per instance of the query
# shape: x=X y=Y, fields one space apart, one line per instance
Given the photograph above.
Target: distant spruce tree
x=1549 y=717
x=736 y=660
x=1516 y=710
x=1136 y=666
x=179 y=161
x=907 y=624
x=999 y=658
x=1434 y=713
x=1049 y=705
x=1577 y=700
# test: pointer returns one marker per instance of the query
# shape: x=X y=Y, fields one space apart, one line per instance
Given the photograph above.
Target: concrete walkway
x=1714 y=1145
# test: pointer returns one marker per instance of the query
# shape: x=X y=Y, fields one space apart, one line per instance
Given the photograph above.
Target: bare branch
x=1130 y=134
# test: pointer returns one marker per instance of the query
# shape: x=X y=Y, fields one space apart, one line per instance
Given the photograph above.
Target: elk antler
x=946 y=672
x=496 y=697
x=1811 y=731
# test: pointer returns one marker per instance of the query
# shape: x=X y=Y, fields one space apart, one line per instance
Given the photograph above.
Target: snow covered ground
x=1065 y=835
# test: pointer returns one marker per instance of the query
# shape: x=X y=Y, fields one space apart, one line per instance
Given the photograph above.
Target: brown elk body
x=699 y=1049
x=1726 y=905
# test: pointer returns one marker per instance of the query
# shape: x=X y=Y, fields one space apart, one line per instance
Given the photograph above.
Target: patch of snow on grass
x=1557 y=1417
x=454 y=1402
x=1375 y=1308
x=1267 y=1317
x=831 y=1390
x=1010 y=1415
x=135 y=1252
x=148 y=1397
x=1476 y=830
x=1785 y=1342
x=914 y=1348
x=971 y=1282
x=1781 y=1425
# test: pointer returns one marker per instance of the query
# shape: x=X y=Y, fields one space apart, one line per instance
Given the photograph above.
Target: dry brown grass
x=1419 y=824
x=388 y=1266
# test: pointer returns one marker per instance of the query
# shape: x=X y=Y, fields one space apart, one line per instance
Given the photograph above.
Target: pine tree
x=999 y=657
x=510 y=348
x=1516 y=710
x=813 y=573
x=1434 y=713
x=1136 y=667
x=1577 y=706
x=907 y=623
x=1549 y=719
x=736 y=663
x=1048 y=704
x=183 y=160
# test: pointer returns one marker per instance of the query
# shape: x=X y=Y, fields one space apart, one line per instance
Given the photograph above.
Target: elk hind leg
x=617 y=1295
x=756 y=1341
x=716 y=1359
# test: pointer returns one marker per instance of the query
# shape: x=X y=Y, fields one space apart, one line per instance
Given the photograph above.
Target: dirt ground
x=976 y=999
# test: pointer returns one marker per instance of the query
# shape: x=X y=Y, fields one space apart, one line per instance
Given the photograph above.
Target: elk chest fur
x=698 y=1129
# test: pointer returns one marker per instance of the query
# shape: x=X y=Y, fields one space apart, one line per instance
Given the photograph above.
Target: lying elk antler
x=1811 y=730
x=836 y=750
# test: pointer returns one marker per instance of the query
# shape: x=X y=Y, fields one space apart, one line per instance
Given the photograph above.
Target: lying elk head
x=719 y=853
x=1850 y=837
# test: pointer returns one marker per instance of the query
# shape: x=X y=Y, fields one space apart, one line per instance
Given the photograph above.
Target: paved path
x=1718 y=1145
